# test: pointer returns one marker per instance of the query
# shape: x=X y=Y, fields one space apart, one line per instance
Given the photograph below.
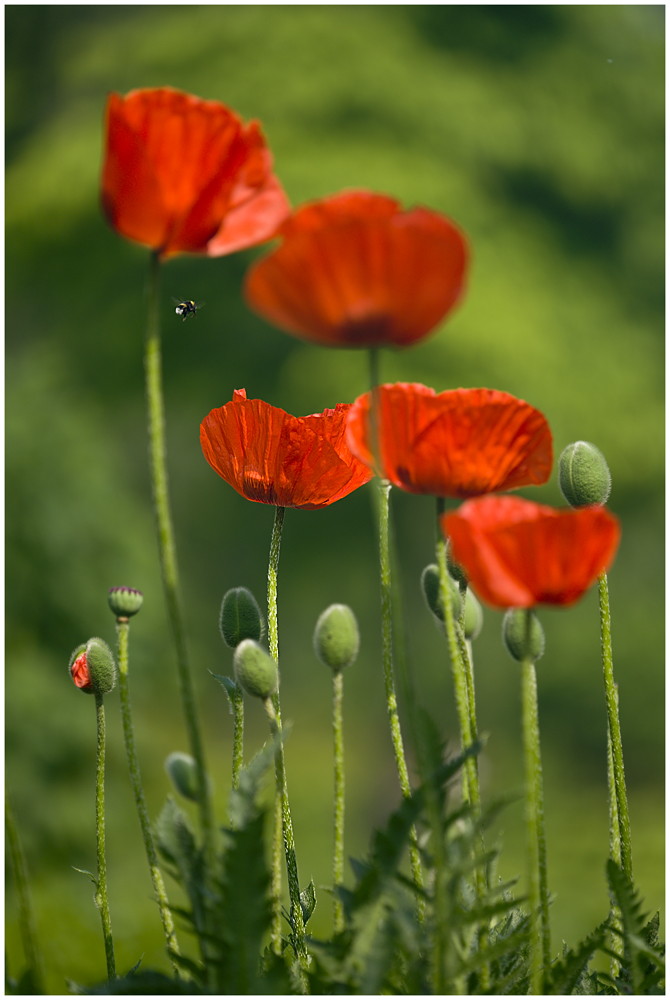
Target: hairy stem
x=338 y=810
x=122 y=628
x=238 y=734
x=166 y=546
x=101 y=880
x=614 y=728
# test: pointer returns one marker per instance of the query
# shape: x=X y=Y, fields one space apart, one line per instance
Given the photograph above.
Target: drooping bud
x=336 y=638
x=583 y=475
x=455 y=569
x=240 y=617
x=255 y=670
x=92 y=667
x=124 y=601
x=430 y=584
x=474 y=617
x=183 y=773
x=523 y=634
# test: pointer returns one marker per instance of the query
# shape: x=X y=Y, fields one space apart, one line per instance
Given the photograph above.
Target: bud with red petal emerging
x=92 y=667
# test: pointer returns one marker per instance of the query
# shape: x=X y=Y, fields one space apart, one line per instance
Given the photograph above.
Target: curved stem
x=281 y=792
x=122 y=628
x=26 y=916
x=338 y=811
x=614 y=727
x=101 y=881
x=168 y=556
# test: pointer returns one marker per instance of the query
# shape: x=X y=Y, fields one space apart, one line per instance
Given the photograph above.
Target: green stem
x=101 y=881
x=273 y=640
x=614 y=727
x=338 y=811
x=122 y=628
x=26 y=917
x=168 y=556
x=615 y=940
x=281 y=790
x=238 y=734
x=536 y=843
x=383 y=490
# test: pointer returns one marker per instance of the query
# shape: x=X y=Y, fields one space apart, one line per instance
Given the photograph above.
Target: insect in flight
x=186 y=307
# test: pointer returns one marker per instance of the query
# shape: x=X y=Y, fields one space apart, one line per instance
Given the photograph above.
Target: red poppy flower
x=460 y=443
x=518 y=553
x=271 y=457
x=355 y=271
x=183 y=175
x=79 y=673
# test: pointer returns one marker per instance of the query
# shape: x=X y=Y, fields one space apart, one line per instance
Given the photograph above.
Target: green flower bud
x=183 y=774
x=124 y=601
x=255 y=670
x=583 y=475
x=92 y=667
x=430 y=584
x=240 y=617
x=520 y=641
x=336 y=638
x=455 y=569
x=474 y=617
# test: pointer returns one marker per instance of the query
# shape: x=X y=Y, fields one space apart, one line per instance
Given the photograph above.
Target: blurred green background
x=539 y=129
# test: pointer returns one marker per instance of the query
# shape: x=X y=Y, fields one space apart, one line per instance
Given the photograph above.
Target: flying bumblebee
x=186 y=307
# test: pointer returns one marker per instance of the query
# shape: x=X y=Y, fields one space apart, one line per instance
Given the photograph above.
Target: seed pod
x=255 y=670
x=583 y=475
x=240 y=617
x=336 y=638
x=124 y=601
x=522 y=641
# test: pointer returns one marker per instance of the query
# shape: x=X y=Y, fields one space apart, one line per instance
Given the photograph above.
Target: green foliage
x=643 y=966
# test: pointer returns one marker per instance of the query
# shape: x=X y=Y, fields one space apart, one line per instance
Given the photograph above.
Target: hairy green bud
x=430 y=584
x=92 y=667
x=240 y=617
x=583 y=475
x=336 y=638
x=455 y=569
x=474 y=617
x=124 y=601
x=523 y=638
x=183 y=772
x=255 y=671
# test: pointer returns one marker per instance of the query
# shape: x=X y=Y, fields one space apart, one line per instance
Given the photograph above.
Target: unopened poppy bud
x=455 y=569
x=430 y=584
x=255 y=670
x=583 y=475
x=92 y=667
x=474 y=617
x=183 y=773
x=124 y=601
x=523 y=634
x=336 y=638
x=240 y=617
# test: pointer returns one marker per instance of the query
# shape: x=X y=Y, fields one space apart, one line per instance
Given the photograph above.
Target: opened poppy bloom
x=183 y=175
x=271 y=457
x=459 y=443
x=354 y=270
x=517 y=553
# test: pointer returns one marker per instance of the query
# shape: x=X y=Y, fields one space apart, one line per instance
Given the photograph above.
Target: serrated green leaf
x=563 y=976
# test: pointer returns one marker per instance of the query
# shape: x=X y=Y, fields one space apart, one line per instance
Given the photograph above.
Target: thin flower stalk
x=338 y=800
x=166 y=546
x=614 y=727
x=281 y=794
x=27 y=927
x=615 y=939
x=122 y=628
x=101 y=879
x=238 y=734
